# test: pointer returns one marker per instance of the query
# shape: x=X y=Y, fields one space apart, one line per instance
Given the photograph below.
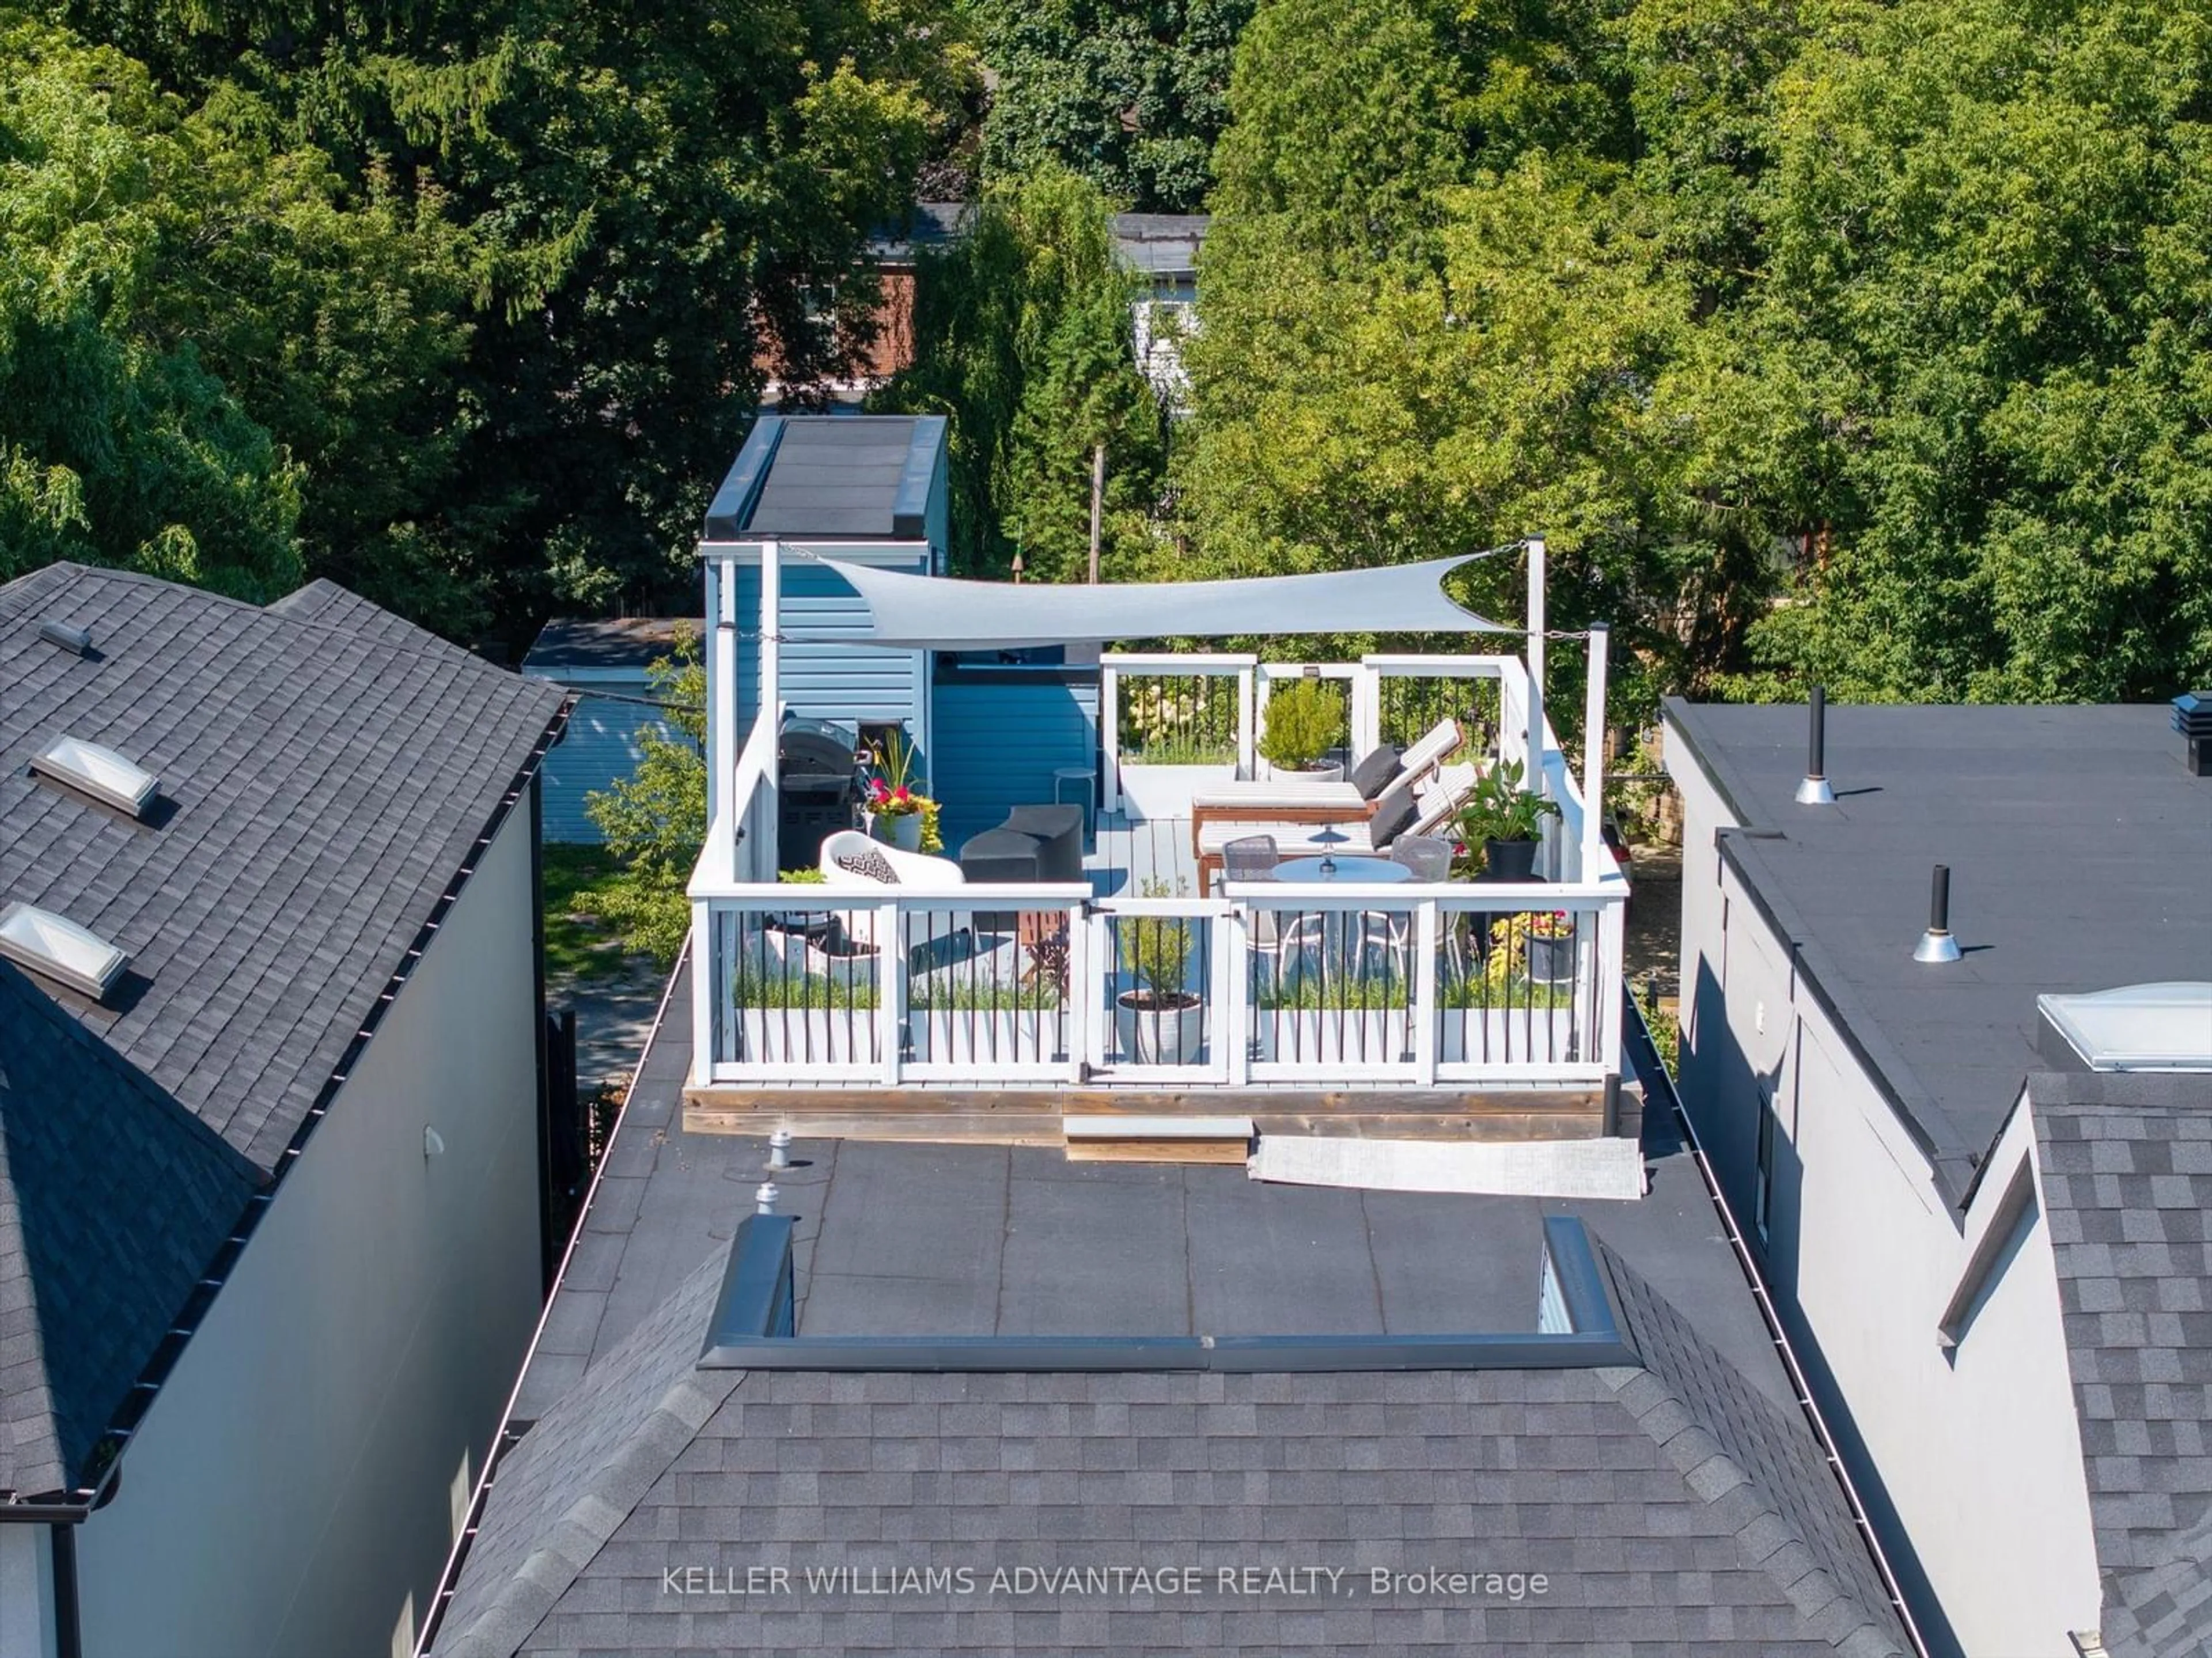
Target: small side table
x=1062 y=776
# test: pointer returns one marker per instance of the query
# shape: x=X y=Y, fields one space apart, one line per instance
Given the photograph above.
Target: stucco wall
x=1978 y=1464
x=295 y=1487
x=26 y=1611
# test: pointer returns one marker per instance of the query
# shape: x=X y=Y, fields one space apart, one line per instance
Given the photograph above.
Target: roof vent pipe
x=1936 y=944
x=764 y=1198
x=1815 y=790
x=779 y=1148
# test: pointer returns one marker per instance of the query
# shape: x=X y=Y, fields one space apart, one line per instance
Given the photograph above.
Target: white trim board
x=1607 y=1168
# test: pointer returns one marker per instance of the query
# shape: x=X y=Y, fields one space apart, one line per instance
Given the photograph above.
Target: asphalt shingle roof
x=2126 y=1169
x=325 y=780
x=1670 y=1506
x=325 y=771
x=2076 y=842
x=113 y=1202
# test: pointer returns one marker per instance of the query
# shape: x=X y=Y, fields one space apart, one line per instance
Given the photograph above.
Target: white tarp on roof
x=920 y=613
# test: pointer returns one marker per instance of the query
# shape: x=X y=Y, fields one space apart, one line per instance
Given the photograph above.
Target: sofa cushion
x=870 y=865
x=1375 y=770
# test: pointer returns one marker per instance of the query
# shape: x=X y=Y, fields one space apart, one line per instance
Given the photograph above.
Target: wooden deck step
x=1121 y=1137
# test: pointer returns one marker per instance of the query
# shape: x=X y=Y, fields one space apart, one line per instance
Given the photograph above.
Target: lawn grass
x=579 y=943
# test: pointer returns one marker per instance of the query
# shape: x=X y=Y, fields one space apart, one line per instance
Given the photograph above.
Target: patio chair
x=1254 y=858
x=852 y=862
x=1429 y=858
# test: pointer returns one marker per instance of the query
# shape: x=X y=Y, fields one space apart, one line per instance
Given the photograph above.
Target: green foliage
x=1864 y=343
x=579 y=943
x=1130 y=95
x=1157 y=948
x=1498 y=809
x=117 y=446
x=1304 y=720
x=466 y=306
x=1022 y=335
x=655 y=820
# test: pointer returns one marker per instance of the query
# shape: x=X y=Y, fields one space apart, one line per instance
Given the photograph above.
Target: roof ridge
x=615 y=1480
x=1763 y=1531
x=1720 y=1460
x=64 y=568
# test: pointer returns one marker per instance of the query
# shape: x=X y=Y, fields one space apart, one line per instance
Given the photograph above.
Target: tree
x=655 y=819
x=117 y=446
x=508 y=317
x=1023 y=337
x=1988 y=228
x=1129 y=93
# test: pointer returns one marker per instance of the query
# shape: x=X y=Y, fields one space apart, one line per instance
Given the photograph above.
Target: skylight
x=99 y=772
x=2159 y=1027
x=61 y=949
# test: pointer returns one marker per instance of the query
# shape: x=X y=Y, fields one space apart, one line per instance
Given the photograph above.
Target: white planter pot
x=1467 y=1035
x=1154 y=791
x=959 y=1037
x=800 y=956
x=1334 y=1036
x=803 y=1037
x=902 y=831
x=1324 y=773
x=1160 y=1036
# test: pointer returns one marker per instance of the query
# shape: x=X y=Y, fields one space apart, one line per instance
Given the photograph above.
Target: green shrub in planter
x=1305 y=720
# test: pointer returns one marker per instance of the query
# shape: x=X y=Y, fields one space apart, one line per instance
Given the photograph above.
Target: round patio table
x=1370 y=870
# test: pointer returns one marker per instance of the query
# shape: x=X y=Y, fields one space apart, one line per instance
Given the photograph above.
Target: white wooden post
x=771 y=692
x=1109 y=738
x=706 y=985
x=1248 y=756
x=721 y=743
x=1534 y=778
x=1232 y=1023
x=1425 y=935
x=1223 y=993
x=1593 y=849
x=1082 y=992
x=890 y=986
x=1099 y=1009
x=1605 y=1025
x=1366 y=713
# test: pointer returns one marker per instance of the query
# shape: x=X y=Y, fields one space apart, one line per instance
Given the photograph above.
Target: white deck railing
x=1380 y=987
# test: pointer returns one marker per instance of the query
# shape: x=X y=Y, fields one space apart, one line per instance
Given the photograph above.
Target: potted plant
x=897 y=811
x=1504 y=820
x=1305 y=720
x=1162 y=1021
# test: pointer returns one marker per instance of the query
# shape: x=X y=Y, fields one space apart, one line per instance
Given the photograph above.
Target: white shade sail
x=920 y=613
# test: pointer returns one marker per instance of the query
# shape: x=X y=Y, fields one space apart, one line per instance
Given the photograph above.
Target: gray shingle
x=1510 y=1470
x=326 y=768
x=2144 y=1440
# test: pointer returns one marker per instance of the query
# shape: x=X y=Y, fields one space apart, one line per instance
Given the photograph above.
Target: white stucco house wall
x=1915 y=1172
x=273 y=1222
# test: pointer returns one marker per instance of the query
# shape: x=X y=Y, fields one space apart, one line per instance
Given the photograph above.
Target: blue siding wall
x=851 y=683
x=998 y=741
x=600 y=747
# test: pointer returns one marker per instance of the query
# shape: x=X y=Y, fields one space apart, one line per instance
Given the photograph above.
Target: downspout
x=69 y=1636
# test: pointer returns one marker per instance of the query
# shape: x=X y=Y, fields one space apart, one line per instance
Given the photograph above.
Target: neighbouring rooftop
x=2077 y=844
x=324 y=772
x=618 y=644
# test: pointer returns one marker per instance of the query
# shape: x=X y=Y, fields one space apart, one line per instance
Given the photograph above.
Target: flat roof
x=831 y=477
x=2077 y=845
x=625 y=642
x=905 y=1238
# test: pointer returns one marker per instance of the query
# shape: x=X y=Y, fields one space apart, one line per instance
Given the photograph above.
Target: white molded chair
x=909 y=869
